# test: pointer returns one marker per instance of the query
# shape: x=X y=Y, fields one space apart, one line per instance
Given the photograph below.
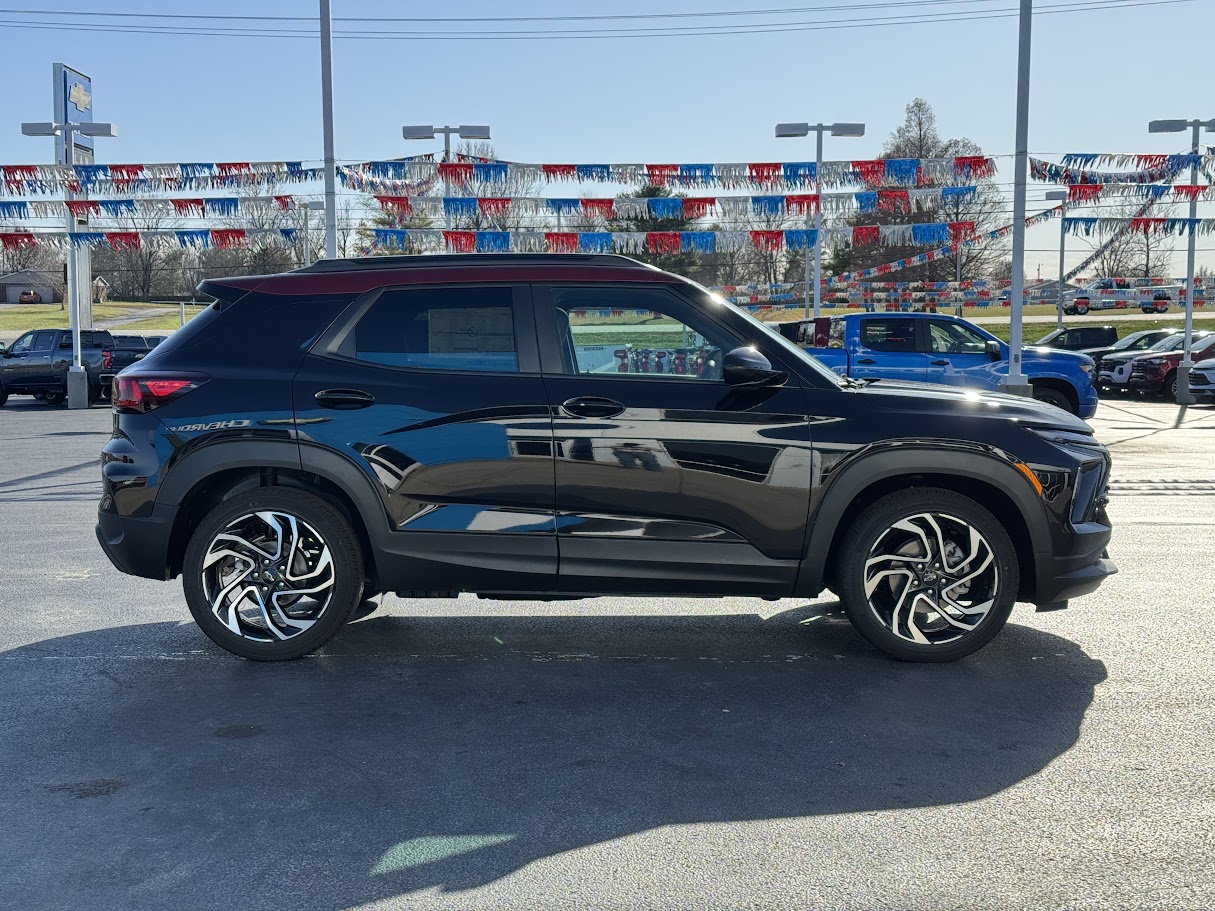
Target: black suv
x=557 y=426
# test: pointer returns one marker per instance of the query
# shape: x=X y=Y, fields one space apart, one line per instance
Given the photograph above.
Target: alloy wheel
x=268 y=576
x=931 y=578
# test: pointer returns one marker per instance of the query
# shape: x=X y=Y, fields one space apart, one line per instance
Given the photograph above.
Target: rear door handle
x=592 y=407
x=865 y=360
x=344 y=399
x=941 y=363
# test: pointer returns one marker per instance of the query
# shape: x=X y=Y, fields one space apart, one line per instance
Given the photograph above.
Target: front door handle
x=592 y=407
x=344 y=399
x=865 y=360
x=941 y=363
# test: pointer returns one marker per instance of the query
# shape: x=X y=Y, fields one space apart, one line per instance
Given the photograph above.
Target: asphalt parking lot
x=609 y=754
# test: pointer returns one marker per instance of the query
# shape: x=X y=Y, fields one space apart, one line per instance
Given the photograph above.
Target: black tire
x=333 y=532
x=1168 y=391
x=3 y=396
x=1081 y=309
x=54 y=398
x=1053 y=397
x=999 y=582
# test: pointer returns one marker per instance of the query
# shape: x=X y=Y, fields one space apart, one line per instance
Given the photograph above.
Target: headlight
x=1087 y=368
x=1153 y=361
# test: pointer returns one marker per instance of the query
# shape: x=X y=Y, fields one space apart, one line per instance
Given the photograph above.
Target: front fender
x=890 y=459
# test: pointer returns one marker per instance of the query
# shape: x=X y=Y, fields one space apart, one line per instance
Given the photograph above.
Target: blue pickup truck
x=934 y=348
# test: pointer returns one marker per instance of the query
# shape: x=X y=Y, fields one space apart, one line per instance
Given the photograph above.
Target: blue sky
x=1098 y=77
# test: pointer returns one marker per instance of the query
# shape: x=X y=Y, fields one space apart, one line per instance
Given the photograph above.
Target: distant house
x=41 y=283
x=101 y=290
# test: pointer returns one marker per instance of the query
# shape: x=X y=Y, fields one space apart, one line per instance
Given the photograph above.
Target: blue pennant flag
x=14 y=209
x=1180 y=225
x=390 y=237
x=866 y=201
x=492 y=241
x=86 y=238
x=599 y=172
x=695 y=173
x=1177 y=162
x=194 y=238
x=799 y=172
x=564 y=206
x=666 y=207
x=697 y=241
x=490 y=171
x=1079 y=160
x=459 y=205
x=767 y=205
x=89 y=174
x=957 y=194
x=1157 y=190
x=288 y=234
x=801 y=239
x=294 y=168
x=197 y=169
x=225 y=206
x=595 y=242
x=116 y=207
x=936 y=233
x=902 y=170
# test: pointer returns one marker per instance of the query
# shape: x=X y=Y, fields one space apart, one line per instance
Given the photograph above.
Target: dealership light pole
x=1055 y=196
x=427 y=131
x=1016 y=382
x=327 y=126
x=77 y=379
x=787 y=130
x=308 y=208
x=1187 y=362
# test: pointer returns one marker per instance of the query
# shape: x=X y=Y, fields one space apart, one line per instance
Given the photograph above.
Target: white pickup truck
x=1119 y=294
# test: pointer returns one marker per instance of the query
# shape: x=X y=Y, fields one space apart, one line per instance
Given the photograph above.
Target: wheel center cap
x=930 y=576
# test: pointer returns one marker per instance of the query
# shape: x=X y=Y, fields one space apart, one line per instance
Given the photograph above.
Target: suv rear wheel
x=927 y=574
x=272 y=574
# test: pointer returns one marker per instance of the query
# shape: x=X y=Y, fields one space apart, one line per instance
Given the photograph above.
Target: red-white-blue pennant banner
x=903 y=301
x=1093 y=192
x=217 y=207
x=27 y=179
x=1132 y=286
x=1106 y=227
x=219 y=238
x=909 y=172
x=945 y=251
x=1057 y=173
x=1150 y=162
x=659 y=242
x=899 y=200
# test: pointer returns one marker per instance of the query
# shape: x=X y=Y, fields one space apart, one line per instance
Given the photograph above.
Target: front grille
x=1138 y=370
x=1199 y=379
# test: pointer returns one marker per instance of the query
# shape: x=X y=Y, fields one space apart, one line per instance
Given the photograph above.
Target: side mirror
x=993 y=349
x=7 y=353
x=747 y=367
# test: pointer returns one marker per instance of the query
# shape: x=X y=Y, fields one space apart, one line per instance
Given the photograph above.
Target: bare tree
x=139 y=272
x=1132 y=254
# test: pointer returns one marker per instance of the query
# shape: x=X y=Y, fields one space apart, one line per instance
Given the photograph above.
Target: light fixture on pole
x=1187 y=362
x=428 y=131
x=77 y=379
x=309 y=207
x=790 y=130
x=1056 y=196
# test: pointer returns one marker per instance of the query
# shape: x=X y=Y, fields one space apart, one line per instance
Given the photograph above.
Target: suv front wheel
x=273 y=574
x=927 y=574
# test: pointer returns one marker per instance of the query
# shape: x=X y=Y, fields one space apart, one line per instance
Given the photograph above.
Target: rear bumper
x=136 y=546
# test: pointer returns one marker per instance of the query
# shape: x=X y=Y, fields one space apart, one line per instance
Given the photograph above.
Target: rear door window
x=888 y=334
x=43 y=341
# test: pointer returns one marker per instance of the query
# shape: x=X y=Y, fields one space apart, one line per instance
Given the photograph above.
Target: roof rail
x=358 y=263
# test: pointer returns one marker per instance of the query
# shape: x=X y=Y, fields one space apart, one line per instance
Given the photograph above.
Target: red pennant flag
x=284 y=202
x=885 y=269
x=974 y=166
x=15 y=176
x=188 y=206
x=1083 y=192
x=1189 y=192
x=456 y=171
x=224 y=238
x=662 y=241
x=961 y=230
x=123 y=240
x=871 y=173
x=698 y=206
x=121 y=175
x=1149 y=162
x=16 y=240
x=559 y=171
x=659 y=174
x=863 y=235
x=768 y=240
x=561 y=241
x=801 y=203
x=400 y=204
x=81 y=208
x=460 y=241
x=894 y=201
x=1146 y=225
x=605 y=208
x=232 y=168
x=493 y=205
x=765 y=172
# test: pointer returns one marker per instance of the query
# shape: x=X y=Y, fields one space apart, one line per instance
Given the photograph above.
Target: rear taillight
x=107 y=360
x=141 y=394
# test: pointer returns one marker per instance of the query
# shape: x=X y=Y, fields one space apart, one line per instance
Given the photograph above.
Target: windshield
x=1126 y=341
x=791 y=349
x=1050 y=337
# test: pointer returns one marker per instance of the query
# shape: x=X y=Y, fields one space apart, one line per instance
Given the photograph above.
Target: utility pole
x=1016 y=382
x=327 y=125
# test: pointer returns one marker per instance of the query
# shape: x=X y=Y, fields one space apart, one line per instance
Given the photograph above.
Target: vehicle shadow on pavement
x=141 y=767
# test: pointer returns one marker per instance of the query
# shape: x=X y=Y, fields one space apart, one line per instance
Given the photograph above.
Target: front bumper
x=138 y=546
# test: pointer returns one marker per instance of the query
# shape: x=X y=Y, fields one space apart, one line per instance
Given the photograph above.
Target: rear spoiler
x=225 y=294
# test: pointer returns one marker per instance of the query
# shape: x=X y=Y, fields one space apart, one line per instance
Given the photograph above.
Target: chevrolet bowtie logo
x=80 y=97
